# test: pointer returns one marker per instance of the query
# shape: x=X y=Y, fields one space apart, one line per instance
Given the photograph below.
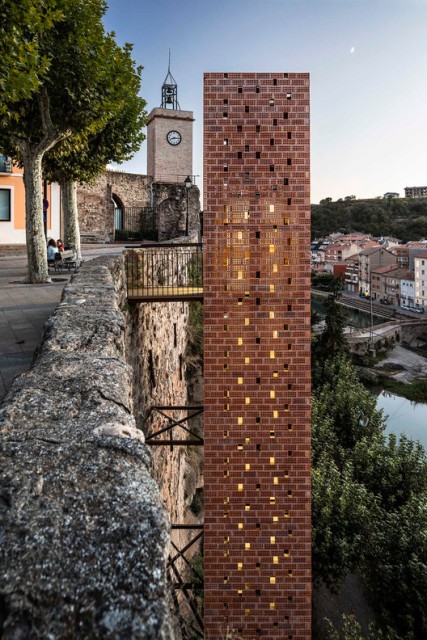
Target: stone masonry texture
x=134 y=191
x=257 y=565
x=84 y=537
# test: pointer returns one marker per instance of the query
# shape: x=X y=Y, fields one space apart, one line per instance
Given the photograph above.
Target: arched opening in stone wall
x=118 y=212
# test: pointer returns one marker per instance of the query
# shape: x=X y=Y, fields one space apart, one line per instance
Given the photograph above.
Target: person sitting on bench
x=52 y=250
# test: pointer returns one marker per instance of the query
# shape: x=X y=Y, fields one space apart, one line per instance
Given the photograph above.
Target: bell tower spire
x=170 y=90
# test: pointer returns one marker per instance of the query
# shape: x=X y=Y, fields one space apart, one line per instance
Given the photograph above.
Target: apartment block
x=257 y=550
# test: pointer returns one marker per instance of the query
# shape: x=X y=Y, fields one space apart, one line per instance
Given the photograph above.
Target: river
x=357 y=319
x=404 y=416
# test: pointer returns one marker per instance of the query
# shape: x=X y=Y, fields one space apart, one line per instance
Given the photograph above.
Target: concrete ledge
x=83 y=536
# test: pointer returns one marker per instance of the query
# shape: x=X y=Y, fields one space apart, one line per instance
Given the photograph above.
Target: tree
x=80 y=92
x=332 y=341
x=84 y=155
x=394 y=566
x=341 y=517
x=21 y=24
x=369 y=502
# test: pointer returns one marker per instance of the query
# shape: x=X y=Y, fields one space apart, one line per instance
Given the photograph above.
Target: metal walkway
x=165 y=273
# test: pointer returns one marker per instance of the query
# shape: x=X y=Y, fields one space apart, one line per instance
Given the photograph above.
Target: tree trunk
x=36 y=241
x=71 y=219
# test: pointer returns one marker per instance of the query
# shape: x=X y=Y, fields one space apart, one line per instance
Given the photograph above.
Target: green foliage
x=194 y=353
x=24 y=63
x=393 y=469
x=332 y=341
x=341 y=520
x=85 y=154
x=344 y=404
x=351 y=630
x=415 y=391
x=394 y=566
x=324 y=281
x=404 y=218
x=369 y=497
x=369 y=502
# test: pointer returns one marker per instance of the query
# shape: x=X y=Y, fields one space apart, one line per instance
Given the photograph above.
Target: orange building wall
x=257 y=550
x=16 y=180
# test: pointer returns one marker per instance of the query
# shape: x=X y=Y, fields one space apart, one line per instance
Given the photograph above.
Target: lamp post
x=188 y=183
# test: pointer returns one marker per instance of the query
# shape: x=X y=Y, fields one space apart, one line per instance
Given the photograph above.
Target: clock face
x=173 y=137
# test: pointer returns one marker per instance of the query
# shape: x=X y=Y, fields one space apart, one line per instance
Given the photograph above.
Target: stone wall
x=96 y=207
x=83 y=533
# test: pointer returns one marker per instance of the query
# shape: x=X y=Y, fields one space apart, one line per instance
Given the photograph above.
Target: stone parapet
x=83 y=533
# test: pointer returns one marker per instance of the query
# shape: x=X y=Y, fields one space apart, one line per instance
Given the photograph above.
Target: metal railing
x=165 y=272
x=135 y=223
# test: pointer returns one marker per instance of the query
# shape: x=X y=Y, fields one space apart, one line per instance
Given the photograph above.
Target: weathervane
x=170 y=90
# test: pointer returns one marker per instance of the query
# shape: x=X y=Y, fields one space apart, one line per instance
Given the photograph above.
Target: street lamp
x=188 y=184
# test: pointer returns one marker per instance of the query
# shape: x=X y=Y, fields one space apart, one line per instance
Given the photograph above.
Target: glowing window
x=240 y=487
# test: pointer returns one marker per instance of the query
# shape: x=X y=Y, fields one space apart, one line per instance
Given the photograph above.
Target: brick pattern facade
x=257 y=565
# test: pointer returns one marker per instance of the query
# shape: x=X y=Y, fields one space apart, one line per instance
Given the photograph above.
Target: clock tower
x=170 y=137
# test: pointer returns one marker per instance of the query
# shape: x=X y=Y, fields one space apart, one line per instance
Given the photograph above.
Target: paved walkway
x=25 y=308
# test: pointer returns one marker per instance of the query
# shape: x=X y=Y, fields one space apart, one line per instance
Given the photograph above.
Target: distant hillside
x=403 y=218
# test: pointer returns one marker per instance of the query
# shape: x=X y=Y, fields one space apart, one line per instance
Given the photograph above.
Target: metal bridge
x=164 y=272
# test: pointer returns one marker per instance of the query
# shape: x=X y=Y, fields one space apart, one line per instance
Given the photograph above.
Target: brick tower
x=257 y=356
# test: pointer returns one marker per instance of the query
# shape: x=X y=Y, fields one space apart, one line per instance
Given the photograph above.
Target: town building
x=407 y=290
x=12 y=205
x=391 y=194
x=257 y=549
x=370 y=259
x=386 y=283
x=420 y=278
x=415 y=192
x=119 y=205
x=351 y=276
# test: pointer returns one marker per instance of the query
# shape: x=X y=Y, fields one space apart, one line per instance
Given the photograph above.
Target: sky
x=367 y=61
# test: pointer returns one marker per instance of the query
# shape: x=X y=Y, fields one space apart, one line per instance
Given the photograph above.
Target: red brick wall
x=257 y=356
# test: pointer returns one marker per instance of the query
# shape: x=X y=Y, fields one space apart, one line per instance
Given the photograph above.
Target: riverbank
x=402 y=372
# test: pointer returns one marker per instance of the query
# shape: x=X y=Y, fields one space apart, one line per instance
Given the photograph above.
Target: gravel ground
x=414 y=365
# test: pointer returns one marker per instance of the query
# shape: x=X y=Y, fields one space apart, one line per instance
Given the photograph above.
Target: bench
x=64 y=260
